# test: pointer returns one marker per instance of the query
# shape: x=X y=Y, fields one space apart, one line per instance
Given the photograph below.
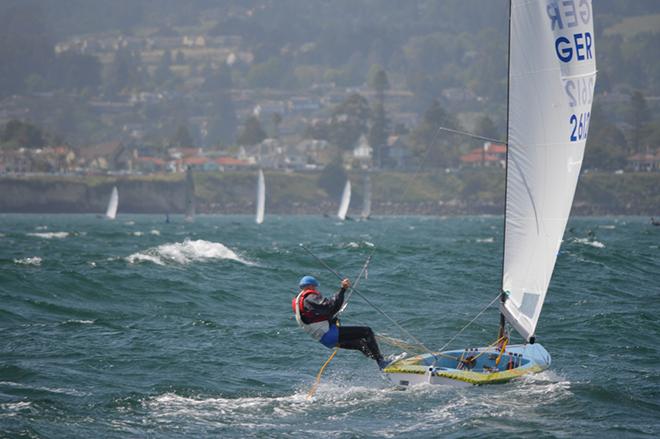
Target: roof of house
x=231 y=161
x=477 y=156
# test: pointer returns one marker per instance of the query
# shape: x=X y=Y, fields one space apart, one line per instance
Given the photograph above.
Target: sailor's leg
x=359 y=338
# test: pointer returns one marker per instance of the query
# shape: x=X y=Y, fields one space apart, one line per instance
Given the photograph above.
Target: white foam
x=35 y=260
x=186 y=252
x=354 y=244
x=50 y=235
x=137 y=233
x=155 y=232
x=486 y=240
x=586 y=241
x=80 y=322
x=607 y=226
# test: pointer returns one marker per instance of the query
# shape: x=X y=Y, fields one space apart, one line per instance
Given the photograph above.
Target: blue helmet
x=308 y=280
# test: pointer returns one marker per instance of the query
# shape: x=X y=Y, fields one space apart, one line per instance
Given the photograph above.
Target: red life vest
x=306 y=316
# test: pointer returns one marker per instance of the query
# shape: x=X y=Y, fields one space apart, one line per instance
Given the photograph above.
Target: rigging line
x=470 y=322
x=474 y=136
x=401 y=328
x=357 y=281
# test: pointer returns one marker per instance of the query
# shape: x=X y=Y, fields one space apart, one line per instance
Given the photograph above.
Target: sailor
x=317 y=316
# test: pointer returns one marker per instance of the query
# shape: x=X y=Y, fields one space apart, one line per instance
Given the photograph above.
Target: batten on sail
x=261 y=198
x=345 y=201
x=113 y=204
x=552 y=75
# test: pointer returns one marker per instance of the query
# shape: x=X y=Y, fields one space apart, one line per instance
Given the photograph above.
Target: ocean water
x=138 y=328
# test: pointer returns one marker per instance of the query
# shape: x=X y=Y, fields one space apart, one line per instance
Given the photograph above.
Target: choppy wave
x=354 y=244
x=486 y=240
x=35 y=260
x=49 y=235
x=186 y=252
x=586 y=241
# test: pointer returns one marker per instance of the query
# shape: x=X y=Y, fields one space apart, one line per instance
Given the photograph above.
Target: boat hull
x=445 y=368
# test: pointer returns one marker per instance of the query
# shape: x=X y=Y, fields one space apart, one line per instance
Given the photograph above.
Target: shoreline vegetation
x=394 y=193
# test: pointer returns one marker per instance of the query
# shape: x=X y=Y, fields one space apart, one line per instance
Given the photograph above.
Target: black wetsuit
x=359 y=338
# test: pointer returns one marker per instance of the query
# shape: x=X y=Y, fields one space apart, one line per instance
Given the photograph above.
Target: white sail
x=345 y=201
x=366 y=206
x=552 y=73
x=261 y=197
x=190 y=195
x=113 y=204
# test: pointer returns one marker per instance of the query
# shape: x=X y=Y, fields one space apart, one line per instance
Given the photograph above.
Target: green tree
x=333 y=178
x=486 y=128
x=180 y=58
x=378 y=133
x=163 y=73
x=124 y=72
x=182 y=138
x=276 y=119
x=377 y=80
x=223 y=124
x=252 y=133
x=430 y=143
x=349 y=121
x=638 y=116
x=606 y=147
x=17 y=134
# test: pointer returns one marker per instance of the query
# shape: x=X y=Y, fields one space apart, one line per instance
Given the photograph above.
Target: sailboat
x=552 y=74
x=345 y=201
x=113 y=204
x=366 y=201
x=261 y=197
x=190 y=196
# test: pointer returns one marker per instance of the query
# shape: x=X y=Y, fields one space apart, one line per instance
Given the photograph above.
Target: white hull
x=424 y=369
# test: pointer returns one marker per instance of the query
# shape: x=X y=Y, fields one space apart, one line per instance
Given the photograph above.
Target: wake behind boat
x=552 y=74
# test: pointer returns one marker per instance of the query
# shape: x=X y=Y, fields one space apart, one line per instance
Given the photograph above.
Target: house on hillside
x=362 y=153
x=107 y=157
x=491 y=154
x=395 y=153
x=645 y=162
x=150 y=164
x=15 y=161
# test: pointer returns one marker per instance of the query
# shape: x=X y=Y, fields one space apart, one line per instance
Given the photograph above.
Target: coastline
x=394 y=193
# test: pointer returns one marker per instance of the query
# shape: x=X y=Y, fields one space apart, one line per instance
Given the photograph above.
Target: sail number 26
x=579 y=126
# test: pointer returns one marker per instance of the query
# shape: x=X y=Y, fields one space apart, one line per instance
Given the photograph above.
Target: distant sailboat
x=366 y=201
x=190 y=195
x=345 y=201
x=552 y=74
x=261 y=198
x=113 y=204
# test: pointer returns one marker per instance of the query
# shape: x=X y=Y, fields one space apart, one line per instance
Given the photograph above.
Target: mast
x=501 y=331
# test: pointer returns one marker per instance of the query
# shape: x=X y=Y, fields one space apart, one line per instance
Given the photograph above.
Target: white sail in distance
x=190 y=195
x=366 y=206
x=261 y=198
x=113 y=204
x=345 y=201
x=552 y=74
